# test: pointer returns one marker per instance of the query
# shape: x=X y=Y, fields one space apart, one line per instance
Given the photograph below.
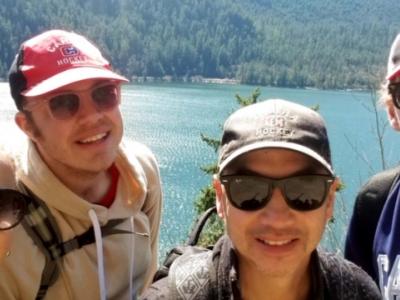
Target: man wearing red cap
x=101 y=196
x=374 y=230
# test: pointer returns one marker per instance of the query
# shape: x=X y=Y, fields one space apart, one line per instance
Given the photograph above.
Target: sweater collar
x=226 y=262
x=35 y=174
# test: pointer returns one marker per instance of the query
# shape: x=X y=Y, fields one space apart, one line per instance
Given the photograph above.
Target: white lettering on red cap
x=57 y=43
x=72 y=60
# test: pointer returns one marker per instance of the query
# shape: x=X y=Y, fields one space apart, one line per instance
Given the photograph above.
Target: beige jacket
x=128 y=258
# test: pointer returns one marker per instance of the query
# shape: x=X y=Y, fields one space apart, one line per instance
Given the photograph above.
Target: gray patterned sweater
x=212 y=275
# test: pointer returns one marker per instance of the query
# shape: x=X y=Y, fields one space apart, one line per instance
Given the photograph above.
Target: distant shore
x=188 y=79
x=201 y=79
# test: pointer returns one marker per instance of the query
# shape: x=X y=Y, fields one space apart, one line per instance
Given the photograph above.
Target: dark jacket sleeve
x=346 y=281
x=367 y=210
x=359 y=240
x=366 y=288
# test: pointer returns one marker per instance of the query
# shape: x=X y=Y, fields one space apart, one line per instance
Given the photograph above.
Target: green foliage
x=206 y=199
x=304 y=43
x=244 y=101
x=210 y=169
x=214 y=143
x=315 y=107
x=214 y=229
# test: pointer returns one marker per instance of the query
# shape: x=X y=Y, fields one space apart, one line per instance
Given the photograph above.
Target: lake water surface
x=169 y=118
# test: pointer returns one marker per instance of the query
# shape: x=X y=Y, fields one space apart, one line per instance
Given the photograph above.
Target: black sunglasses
x=303 y=193
x=13 y=205
x=394 y=90
x=65 y=105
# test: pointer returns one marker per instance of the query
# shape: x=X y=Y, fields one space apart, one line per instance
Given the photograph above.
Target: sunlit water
x=169 y=118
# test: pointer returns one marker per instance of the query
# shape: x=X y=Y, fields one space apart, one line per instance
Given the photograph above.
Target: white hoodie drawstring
x=99 y=249
x=131 y=290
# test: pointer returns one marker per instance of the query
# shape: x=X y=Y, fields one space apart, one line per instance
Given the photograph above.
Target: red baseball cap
x=54 y=59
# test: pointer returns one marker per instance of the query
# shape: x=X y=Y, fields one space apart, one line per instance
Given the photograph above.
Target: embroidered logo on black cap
x=277 y=124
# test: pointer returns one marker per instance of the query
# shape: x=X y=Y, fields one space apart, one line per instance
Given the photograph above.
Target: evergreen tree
x=306 y=43
x=206 y=199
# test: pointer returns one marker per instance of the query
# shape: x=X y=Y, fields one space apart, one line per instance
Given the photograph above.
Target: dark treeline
x=302 y=43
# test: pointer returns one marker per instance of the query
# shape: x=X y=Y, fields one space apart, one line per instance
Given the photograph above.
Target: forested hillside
x=301 y=43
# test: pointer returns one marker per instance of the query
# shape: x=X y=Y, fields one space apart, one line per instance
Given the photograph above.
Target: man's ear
x=393 y=116
x=26 y=125
x=219 y=195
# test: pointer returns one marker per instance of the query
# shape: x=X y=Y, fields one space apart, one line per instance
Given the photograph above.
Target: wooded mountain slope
x=302 y=43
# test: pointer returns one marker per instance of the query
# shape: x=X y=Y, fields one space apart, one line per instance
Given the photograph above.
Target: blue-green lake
x=169 y=118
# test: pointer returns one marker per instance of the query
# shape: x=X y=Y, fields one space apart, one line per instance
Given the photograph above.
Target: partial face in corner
x=392 y=110
x=13 y=206
x=5 y=238
x=7 y=182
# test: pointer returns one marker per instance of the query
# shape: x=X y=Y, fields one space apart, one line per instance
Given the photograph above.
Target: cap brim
x=394 y=73
x=281 y=145
x=71 y=76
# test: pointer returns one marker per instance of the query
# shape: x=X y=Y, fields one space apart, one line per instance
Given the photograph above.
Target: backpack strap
x=198 y=228
x=41 y=226
x=88 y=237
x=189 y=247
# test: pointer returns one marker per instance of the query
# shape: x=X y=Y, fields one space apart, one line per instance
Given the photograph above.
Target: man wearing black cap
x=98 y=197
x=373 y=235
x=275 y=191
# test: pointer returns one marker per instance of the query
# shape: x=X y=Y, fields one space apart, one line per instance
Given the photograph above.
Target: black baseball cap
x=275 y=123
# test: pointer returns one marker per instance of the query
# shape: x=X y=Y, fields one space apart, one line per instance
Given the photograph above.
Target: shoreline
x=191 y=79
x=231 y=81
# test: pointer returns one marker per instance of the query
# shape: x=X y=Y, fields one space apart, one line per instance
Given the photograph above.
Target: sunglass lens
x=396 y=98
x=248 y=193
x=106 y=97
x=394 y=90
x=305 y=192
x=12 y=208
x=64 y=106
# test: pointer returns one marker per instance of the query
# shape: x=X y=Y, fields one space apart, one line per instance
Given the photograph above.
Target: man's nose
x=277 y=210
x=87 y=107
